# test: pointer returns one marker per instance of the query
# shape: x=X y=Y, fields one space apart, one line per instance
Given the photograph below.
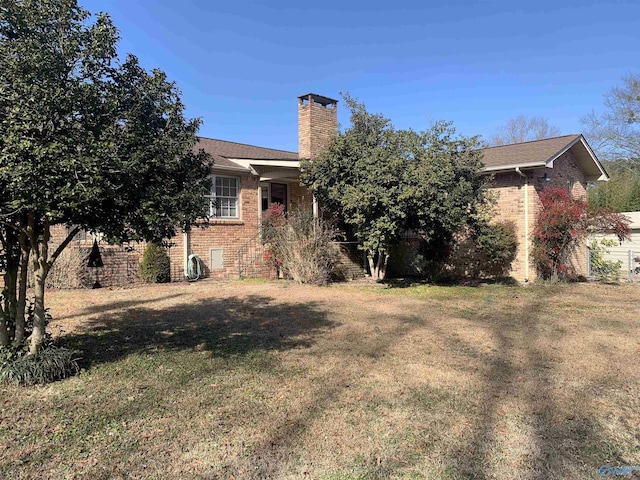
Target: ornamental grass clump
x=49 y=364
x=299 y=245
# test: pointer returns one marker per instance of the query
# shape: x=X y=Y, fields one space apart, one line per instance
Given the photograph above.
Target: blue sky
x=241 y=64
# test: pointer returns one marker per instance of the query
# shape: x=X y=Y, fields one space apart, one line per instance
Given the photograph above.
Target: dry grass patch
x=275 y=380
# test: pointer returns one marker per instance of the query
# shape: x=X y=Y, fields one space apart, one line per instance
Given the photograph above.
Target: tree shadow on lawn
x=524 y=423
x=114 y=306
x=562 y=437
x=561 y=442
x=225 y=327
x=409 y=282
x=281 y=449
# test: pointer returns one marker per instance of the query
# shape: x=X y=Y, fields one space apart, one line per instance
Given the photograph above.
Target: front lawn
x=274 y=380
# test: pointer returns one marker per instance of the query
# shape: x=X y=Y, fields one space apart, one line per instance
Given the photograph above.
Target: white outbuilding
x=627 y=251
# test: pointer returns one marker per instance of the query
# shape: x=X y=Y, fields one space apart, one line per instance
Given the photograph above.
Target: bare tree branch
x=523 y=129
x=72 y=233
x=614 y=132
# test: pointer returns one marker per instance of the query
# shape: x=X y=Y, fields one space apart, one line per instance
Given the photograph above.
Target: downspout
x=185 y=251
x=526 y=224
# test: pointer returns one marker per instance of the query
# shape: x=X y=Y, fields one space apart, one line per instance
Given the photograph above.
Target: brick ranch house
x=247 y=179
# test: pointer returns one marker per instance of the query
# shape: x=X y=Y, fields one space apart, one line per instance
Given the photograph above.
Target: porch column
x=259 y=203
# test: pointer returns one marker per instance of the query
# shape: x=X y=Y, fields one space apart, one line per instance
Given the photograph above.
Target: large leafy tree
x=384 y=181
x=86 y=141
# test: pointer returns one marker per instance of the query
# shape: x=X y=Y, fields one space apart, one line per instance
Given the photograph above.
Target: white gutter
x=526 y=224
x=517 y=166
x=230 y=169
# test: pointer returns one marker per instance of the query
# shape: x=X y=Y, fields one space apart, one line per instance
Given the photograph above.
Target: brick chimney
x=317 y=124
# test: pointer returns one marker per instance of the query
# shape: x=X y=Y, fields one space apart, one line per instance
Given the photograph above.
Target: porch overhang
x=266 y=170
x=267 y=173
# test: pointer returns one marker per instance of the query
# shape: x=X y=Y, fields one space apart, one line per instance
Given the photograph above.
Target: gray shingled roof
x=537 y=152
x=534 y=152
x=221 y=151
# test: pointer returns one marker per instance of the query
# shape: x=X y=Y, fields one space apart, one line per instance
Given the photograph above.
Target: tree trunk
x=38 y=334
x=377 y=264
x=372 y=265
x=383 y=267
x=40 y=262
x=9 y=293
x=22 y=288
x=4 y=335
x=11 y=247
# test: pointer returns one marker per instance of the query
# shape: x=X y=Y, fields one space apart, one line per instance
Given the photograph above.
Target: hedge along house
x=246 y=180
x=520 y=173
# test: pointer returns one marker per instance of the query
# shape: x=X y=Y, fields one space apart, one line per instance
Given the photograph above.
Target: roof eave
x=250 y=162
x=604 y=176
x=230 y=169
x=601 y=176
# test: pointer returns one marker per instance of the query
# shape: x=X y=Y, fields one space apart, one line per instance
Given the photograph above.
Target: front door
x=279 y=194
x=273 y=193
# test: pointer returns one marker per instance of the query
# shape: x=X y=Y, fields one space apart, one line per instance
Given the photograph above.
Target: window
x=264 y=195
x=223 y=201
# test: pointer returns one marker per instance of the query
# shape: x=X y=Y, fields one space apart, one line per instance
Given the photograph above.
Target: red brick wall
x=566 y=173
x=350 y=261
x=121 y=262
x=509 y=187
x=510 y=206
x=226 y=234
x=232 y=235
x=317 y=125
x=301 y=198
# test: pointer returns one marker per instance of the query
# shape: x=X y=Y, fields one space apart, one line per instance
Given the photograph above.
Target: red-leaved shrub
x=563 y=222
